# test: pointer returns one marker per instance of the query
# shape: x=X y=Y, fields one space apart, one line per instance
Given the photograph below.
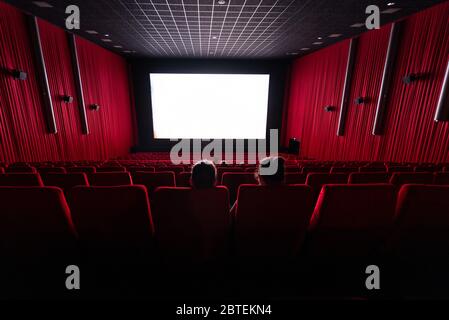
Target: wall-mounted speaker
x=359 y=100
x=330 y=108
x=293 y=146
x=410 y=78
x=94 y=107
x=67 y=99
x=19 y=75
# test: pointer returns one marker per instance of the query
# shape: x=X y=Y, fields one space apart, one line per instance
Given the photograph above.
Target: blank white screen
x=209 y=106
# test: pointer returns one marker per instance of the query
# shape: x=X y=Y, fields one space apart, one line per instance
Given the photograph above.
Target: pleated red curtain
x=23 y=135
x=411 y=134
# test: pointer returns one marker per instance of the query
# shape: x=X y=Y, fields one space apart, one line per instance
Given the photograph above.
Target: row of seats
x=347 y=220
x=232 y=180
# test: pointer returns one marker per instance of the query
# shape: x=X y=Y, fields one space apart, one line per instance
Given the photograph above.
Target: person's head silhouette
x=204 y=174
x=271 y=177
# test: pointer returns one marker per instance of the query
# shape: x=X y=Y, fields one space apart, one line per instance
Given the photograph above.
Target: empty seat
x=442 y=178
x=113 y=220
x=427 y=168
x=293 y=169
x=133 y=169
x=192 y=223
x=183 y=179
x=373 y=169
x=51 y=170
x=232 y=181
x=222 y=170
x=35 y=225
x=315 y=169
x=351 y=220
x=65 y=181
x=111 y=169
x=369 y=177
x=271 y=221
x=152 y=180
x=344 y=169
x=2 y=170
x=317 y=180
x=21 y=179
x=20 y=169
x=85 y=169
x=421 y=225
x=392 y=169
x=175 y=169
x=400 y=178
x=110 y=179
x=295 y=178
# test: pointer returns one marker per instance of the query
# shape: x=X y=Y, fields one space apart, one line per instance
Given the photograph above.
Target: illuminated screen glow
x=209 y=106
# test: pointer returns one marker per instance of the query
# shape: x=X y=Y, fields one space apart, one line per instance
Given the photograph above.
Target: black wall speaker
x=293 y=146
x=410 y=78
x=329 y=108
x=67 y=99
x=19 y=75
x=359 y=100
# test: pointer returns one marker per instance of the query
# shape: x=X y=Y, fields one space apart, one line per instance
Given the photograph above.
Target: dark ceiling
x=220 y=28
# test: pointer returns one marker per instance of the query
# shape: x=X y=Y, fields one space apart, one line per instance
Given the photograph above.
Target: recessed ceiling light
x=126 y=51
x=292 y=53
x=91 y=31
x=118 y=47
x=317 y=43
x=304 y=49
x=106 y=35
x=357 y=25
x=391 y=10
x=42 y=4
x=221 y=2
x=335 y=35
x=320 y=38
x=390 y=4
x=106 y=40
x=214 y=37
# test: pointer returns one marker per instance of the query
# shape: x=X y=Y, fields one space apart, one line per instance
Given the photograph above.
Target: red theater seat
x=65 y=181
x=271 y=221
x=222 y=170
x=111 y=169
x=110 y=179
x=192 y=223
x=85 y=169
x=442 y=178
x=351 y=220
x=293 y=169
x=35 y=225
x=175 y=169
x=20 y=169
x=232 y=181
x=295 y=178
x=421 y=221
x=134 y=169
x=317 y=180
x=393 y=169
x=316 y=170
x=21 y=179
x=183 y=179
x=2 y=170
x=369 y=177
x=344 y=169
x=400 y=178
x=152 y=180
x=428 y=168
x=112 y=218
x=51 y=170
x=373 y=169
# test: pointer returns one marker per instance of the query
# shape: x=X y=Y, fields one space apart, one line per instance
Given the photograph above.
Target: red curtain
x=411 y=134
x=23 y=135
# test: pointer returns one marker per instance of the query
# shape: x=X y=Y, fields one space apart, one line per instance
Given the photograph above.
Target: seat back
x=317 y=180
x=221 y=170
x=232 y=181
x=442 y=178
x=51 y=170
x=192 y=223
x=152 y=180
x=400 y=178
x=316 y=170
x=111 y=169
x=85 y=169
x=112 y=219
x=369 y=177
x=393 y=169
x=35 y=224
x=373 y=169
x=20 y=169
x=110 y=179
x=65 y=181
x=351 y=220
x=183 y=179
x=21 y=179
x=271 y=221
x=344 y=169
x=175 y=169
x=295 y=178
x=421 y=225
